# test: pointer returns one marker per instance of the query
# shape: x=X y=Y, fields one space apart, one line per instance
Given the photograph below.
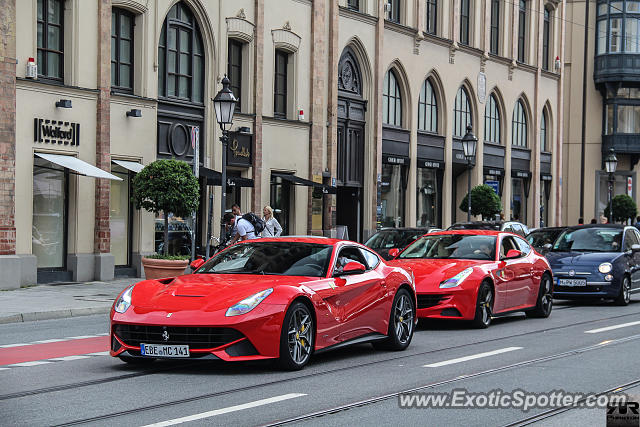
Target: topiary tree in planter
x=484 y=202
x=166 y=186
x=623 y=208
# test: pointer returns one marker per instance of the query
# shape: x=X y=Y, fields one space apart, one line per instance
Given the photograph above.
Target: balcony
x=622 y=143
x=617 y=67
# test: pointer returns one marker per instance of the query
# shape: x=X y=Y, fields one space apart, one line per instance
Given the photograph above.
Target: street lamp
x=469 y=142
x=610 y=164
x=224 y=104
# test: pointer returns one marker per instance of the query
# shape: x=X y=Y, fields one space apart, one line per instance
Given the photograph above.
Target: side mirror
x=547 y=247
x=352 y=267
x=635 y=248
x=513 y=253
x=196 y=264
x=395 y=252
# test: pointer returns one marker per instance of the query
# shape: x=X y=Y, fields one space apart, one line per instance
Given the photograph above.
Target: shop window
x=432 y=16
x=393 y=195
x=122 y=49
x=120 y=216
x=428 y=209
x=492 y=121
x=428 y=108
x=280 y=84
x=461 y=113
x=49 y=227
x=518 y=200
x=391 y=100
x=50 y=50
x=234 y=70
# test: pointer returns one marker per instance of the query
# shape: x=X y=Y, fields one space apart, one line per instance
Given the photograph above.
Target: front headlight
x=124 y=301
x=457 y=279
x=248 y=304
x=605 y=267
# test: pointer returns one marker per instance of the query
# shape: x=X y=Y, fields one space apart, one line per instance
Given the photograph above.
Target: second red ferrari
x=474 y=275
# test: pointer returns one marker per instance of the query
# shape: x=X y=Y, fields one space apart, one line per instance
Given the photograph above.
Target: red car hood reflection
x=206 y=292
x=430 y=272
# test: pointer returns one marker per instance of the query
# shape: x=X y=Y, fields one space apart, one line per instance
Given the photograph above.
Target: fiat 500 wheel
x=624 y=296
x=544 y=303
x=401 y=323
x=484 y=307
x=297 y=337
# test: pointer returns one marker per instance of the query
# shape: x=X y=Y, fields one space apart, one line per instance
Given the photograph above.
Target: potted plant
x=623 y=208
x=167 y=187
x=484 y=202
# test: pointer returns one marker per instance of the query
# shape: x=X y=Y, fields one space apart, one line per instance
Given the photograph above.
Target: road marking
x=48 y=341
x=67 y=358
x=33 y=363
x=610 y=328
x=474 y=356
x=13 y=345
x=4 y=369
x=222 y=411
x=80 y=337
x=99 y=353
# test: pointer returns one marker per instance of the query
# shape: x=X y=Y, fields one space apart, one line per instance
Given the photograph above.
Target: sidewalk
x=60 y=300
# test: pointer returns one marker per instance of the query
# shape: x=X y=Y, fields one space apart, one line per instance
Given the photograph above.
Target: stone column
x=258 y=90
x=104 y=260
x=9 y=261
x=378 y=78
x=332 y=114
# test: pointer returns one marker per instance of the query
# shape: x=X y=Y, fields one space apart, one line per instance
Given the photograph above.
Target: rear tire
x=484 y=307
x=401 y=323
x=296 y=338
x=544 y=303
x=624 y=296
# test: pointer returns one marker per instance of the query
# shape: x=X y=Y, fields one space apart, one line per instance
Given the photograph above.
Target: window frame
x=353 y=5
x=465 y=22
x=277 y=90
x=117 y=13
x=428 y=103
x=396 y=97
x=494 y=37
x=431 y=23
x=522 y=30
x=519 y=126
x=394 y=15
x=459 y=113
x=43 y=65
x=235 y=81
x=546 y=38
x=492 y=121
x=544 y=132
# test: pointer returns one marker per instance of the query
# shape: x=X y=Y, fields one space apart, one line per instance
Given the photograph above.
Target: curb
x=53 y=314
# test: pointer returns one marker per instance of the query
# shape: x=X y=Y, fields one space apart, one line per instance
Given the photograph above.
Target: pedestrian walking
x=272 y=227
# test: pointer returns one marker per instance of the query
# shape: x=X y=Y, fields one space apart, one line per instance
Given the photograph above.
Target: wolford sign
x=56 y=132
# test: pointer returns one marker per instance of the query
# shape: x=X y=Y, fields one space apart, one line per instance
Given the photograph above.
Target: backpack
x=257 y=222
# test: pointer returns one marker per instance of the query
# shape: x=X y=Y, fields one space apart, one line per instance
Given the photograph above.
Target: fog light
x=608 y=277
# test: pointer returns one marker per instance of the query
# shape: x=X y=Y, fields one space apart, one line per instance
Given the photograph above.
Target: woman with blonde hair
x=272 y=227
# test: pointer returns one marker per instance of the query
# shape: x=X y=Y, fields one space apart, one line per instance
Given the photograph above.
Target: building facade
x=603 y=86
x=350 y=112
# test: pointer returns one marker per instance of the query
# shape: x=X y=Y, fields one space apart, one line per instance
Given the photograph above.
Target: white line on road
x=48 y=341
x=13 y=345
x=34 y=363
x=474 y=356
x=67 y=358
x=99 y=353
x=610 y=328
x=81 y=337
x=222 y=411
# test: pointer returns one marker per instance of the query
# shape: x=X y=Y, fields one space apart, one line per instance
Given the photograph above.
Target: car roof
x=406 y=228
x=614 y=226
x=300 y=239
x=548 y=229
x=471 y=232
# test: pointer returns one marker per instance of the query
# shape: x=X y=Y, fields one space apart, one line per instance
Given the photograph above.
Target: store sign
x=239 y=149
x=629 y=186
x=495 y=186
x=395 y=160
x=520 y=174
x=429 y=164
x=56 y=132
x=494 y=172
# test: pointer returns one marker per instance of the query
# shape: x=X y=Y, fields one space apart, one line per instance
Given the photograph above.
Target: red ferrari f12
x=475 y=274
x=280 y=298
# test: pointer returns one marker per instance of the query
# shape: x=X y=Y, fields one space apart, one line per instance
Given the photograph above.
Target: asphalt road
x=60 y=375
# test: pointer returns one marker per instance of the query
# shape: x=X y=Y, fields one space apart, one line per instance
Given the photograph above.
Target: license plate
x=164 y=350
x=572 y=282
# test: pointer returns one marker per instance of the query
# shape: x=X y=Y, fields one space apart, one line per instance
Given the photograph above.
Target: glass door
x=120 y=217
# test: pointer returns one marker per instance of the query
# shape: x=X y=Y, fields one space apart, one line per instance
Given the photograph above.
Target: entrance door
x=350 y=177
x=120 y=217
x=348 y=211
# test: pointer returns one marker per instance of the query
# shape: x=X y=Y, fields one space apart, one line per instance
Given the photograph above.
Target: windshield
x=389 y=239
x=453 y=246
x=538 y=239
x=589 y=240
x=474 y=226
x=285 y=259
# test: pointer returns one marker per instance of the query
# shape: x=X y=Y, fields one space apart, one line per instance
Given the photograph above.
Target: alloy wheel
x=300 y=335
x=484 y=303
x=403 y=315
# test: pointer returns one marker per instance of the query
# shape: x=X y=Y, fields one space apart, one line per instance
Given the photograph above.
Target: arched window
x=391 y=100
x=546 y=36
x=427 y=108
x=492 y=121
x=522 y=30
x=461 y=113
x=181 y=57
x=519 y=126
x=545 y=143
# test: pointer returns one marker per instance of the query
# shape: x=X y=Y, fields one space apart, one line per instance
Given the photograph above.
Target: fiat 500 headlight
x=605 y=267
x=456 y=280
x=124 y=301
x=248 y=304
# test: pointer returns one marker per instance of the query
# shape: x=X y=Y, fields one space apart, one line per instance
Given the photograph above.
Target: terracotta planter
x=162 y=268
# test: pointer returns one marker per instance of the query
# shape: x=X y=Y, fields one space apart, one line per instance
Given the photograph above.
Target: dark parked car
x=508 y=226
x=596 y=261
x=395 y=238
x=544 y=236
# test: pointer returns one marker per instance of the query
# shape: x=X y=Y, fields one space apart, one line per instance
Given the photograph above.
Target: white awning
x=132 y=166
x=77 y=165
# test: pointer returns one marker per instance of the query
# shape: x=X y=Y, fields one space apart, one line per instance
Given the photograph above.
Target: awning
x=132 y=166
x=215 y=178
x=77 y=165
x=296 y=180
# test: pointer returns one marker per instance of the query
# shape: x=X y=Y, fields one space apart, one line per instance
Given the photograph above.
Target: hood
x=431 y=272
x=202 y=292
x=560 y=259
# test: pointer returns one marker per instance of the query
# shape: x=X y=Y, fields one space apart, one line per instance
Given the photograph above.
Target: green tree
x=623 y=208
x=484 y=202
x=166 y=186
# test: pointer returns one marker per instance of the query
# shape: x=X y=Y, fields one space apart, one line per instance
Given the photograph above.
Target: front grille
x=427 y=300
x=195 y=337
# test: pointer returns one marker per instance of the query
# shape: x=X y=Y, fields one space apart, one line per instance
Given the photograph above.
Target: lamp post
x=224 y=104
x=610 y=164
x=469 y=142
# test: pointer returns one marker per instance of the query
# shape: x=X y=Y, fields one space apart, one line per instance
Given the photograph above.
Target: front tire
x=484 y=307
x=624 y=296
x=544 y=303
x=401 y=323
x=297 y=337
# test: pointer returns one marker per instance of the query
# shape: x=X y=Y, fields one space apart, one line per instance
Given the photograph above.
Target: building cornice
x=358 y=16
